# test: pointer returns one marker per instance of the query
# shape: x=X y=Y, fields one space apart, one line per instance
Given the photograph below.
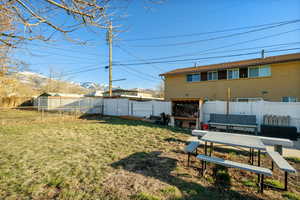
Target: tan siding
x=284 y=81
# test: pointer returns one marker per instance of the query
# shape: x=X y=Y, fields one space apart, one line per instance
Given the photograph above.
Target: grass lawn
x=111 y=158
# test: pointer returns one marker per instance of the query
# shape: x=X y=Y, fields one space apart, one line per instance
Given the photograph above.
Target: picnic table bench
x=261 y=171
x=191 y=149
x=246 y=141
x=283 y=165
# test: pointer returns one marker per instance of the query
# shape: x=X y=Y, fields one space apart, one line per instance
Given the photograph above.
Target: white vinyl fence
x=258 y=108
x=105 y=106
x=122 y=107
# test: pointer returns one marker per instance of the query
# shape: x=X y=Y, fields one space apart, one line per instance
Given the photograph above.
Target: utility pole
x=263 y=53
x=109 y=40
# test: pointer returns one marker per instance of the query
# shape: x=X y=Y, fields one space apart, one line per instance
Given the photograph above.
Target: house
x=55 y=94
x=53 y=100
x=132 y=94
x=96 y=93
x=275 y=78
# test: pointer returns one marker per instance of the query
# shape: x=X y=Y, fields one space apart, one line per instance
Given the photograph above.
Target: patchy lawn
x=110 y=158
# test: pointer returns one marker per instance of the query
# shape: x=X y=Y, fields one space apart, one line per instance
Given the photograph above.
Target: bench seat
x=235 y=125
x=232 y=164
x=191 y=149
x=280 y=162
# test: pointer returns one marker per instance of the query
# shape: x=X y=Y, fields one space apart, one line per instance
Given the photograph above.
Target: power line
x=224 y=51
x=141 y=59
x=67 y=49
x=209 y=32
x=58 y=54
x=225 y=46
x=83 y=71
x=215 y=38
x=152 y=77
x=204 y=58
x=138 y=74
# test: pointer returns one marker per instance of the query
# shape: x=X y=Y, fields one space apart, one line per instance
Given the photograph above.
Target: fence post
x=42 y=114
x=117 y=114
x=152 y=112
x=38 y=103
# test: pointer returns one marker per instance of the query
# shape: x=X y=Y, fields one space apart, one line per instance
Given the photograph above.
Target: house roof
x=120 y=90
x=55 y=94
x=241 y=63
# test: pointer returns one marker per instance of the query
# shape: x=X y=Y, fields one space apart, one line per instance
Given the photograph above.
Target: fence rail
x=126 y=107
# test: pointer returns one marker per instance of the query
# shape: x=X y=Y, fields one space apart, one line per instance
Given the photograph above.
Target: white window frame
x=259 y=71
x=192 y=78
x=212 y=75
x=234 y=69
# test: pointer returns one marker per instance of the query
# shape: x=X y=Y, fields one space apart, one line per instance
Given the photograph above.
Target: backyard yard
x=63 y=157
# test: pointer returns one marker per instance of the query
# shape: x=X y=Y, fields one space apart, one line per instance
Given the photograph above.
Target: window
x=212 y=75
x=265 y=71
x=233 y=73
x=253 y=72
x=261 y=71
x=289 y=99
x=193 y=77
x=248 y=99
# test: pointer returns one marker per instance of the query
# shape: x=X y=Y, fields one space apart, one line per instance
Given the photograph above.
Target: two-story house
x=275 y=78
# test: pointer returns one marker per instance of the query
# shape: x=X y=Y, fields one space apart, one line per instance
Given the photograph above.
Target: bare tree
x=160 y=90
x=38 y=19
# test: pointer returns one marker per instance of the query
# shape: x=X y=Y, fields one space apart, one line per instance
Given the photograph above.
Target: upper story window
x=193 y=77
x=213 y=75
x=289 y=99
x=259 y=71
x=233 y=73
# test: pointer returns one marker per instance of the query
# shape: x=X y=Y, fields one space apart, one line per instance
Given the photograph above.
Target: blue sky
x=174 y=17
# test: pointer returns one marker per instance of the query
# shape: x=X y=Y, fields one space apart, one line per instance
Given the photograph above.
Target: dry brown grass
x=111 y=158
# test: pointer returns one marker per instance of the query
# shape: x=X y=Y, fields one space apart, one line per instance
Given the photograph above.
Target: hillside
x=31 y=84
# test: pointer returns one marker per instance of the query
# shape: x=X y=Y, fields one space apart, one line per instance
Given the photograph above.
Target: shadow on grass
x=132 y=122
x=156 y=166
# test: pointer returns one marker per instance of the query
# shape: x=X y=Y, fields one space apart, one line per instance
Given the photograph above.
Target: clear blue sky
x=174 y=17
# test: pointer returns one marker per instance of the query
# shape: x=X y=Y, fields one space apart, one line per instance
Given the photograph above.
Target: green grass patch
x=249 y=183
x=293 y=159
x=275 y=183
x=171 y=192
x=144 y=196
x=291 y=196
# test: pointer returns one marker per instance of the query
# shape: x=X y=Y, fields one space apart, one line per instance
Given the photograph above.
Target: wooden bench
x=231 y=164
x=283 y=165
x=233 y=120
x=191 y=149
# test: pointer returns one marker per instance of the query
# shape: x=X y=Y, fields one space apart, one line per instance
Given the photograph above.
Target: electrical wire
x=204 y=58
x=206 y=33
x=214 y=38
x=224 y=51
x=141 y=59
x=226 y=46
x=152 y=77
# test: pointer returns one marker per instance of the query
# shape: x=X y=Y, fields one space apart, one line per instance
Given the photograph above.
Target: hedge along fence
x=12 y=102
